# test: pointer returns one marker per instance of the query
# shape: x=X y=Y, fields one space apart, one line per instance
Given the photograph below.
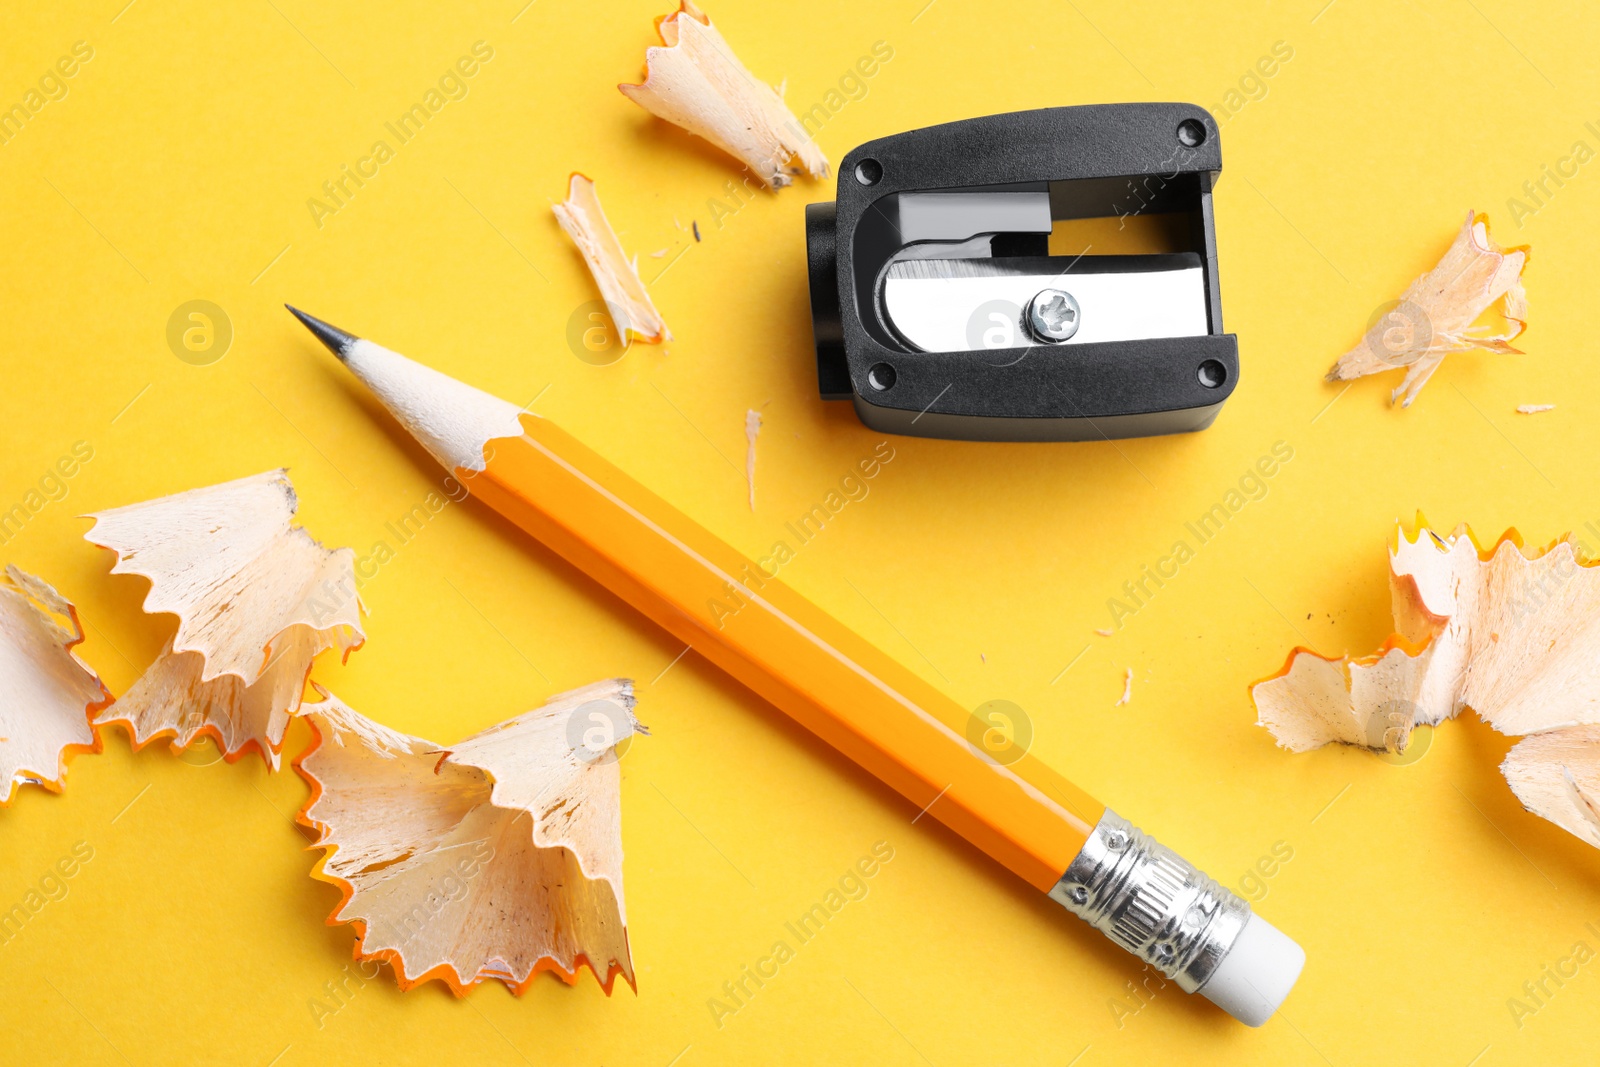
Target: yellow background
x=178 y=167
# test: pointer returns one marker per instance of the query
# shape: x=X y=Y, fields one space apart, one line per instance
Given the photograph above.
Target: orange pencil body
x=786 y=649
x=1139 y=893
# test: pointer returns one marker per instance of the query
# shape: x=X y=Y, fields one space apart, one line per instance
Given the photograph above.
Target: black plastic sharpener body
x=942 y=305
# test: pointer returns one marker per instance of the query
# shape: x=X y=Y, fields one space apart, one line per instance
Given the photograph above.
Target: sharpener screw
x=1052 y=316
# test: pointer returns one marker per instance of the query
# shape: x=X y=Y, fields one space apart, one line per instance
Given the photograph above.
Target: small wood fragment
x=695 y=81
x=627 y=301
x=752 y=427
x=1436 y=314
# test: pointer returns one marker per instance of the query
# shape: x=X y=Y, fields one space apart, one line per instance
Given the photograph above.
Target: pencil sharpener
x=1041 y=275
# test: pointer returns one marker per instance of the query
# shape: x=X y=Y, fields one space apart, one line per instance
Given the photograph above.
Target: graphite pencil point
x=337 y=340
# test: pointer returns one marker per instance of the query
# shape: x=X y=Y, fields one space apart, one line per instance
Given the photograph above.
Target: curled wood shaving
x=1364 y=701
x=1512 y=629
x=48 y=697
x=171 y=700
x=626 y=299
x=257 y=599
x=494 y=859
x=696 y=82
x=1534 y=409
x=1436 y=314
x=1556 y=775
x=1509 y=631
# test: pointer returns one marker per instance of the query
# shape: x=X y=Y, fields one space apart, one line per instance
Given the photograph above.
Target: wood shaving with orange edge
x=1510 y=628
x=1509 y=631
x=626 y=299
x=1363 y=701
x=257 y=599
x=496 y=858
x=696 y=82
x=1534 y=409
x=48 y=697
x=1436 y=314
x=1127 y=689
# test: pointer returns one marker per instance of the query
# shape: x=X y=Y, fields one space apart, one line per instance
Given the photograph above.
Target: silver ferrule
x=1152 y=902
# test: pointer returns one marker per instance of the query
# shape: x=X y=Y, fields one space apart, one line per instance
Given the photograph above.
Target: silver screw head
x=1052 y=316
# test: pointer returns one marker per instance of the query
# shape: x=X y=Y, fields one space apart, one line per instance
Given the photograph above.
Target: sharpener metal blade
x=972 y=305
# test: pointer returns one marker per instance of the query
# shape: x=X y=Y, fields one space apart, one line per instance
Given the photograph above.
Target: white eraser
x=1256 y=974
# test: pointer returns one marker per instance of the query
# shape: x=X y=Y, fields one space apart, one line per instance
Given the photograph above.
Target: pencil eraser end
x=1256 y=974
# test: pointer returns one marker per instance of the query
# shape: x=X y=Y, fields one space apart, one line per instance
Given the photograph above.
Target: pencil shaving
x=752 y=427
x=1511 y=628
x=1366 y=701
x=1534 y=409
x=1504 y=630
x=627 y=301
x=494 y=859
x=1556 y=776
x=1507 y=630
x=696 y=82
x=1436 y=314
x=48 y=697
x=257 y=599
x=1127 y=689
x=172 y=700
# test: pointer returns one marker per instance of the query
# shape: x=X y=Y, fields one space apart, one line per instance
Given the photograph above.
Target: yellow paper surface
x=176 y=165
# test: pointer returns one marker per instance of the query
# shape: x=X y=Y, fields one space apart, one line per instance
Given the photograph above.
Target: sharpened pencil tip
x=336 y=339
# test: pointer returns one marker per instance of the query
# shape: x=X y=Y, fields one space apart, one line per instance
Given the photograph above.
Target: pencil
x=837 y=684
